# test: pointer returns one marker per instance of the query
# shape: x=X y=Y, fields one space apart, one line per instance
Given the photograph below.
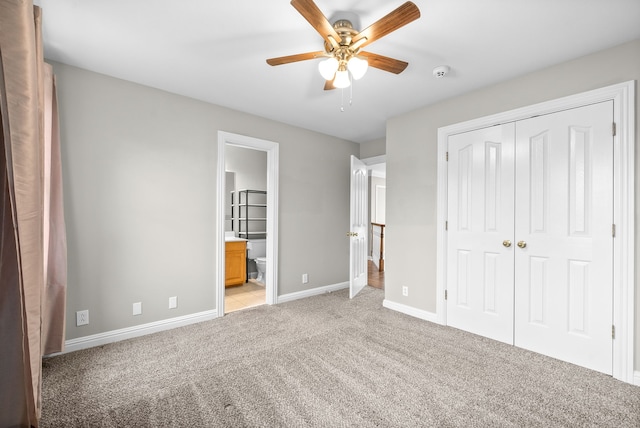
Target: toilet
x=257 y=251
x=261 y=263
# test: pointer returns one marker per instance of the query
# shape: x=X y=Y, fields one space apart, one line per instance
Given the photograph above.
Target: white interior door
x=480 y=232
x=564 y=216
x=358 y=220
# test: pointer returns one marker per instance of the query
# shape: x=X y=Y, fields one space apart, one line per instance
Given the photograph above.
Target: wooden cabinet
x=235 y=263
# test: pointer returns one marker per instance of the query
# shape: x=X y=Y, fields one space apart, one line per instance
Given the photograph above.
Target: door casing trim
x=623 y=97
x=272 y=149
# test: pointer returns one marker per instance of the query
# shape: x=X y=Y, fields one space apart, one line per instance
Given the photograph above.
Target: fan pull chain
x=350 y=95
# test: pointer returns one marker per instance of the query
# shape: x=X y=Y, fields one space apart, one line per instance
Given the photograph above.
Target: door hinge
x=445 y=295
x=613 y=129
x=446 y=225
x=613 y=331
x=447 y=156
x=613 y=230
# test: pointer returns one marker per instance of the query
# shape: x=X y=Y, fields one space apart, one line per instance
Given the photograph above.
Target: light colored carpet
x=326 y=361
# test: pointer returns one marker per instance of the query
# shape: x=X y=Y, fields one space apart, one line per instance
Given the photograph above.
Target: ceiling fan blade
x=400 y=17
x=384 y=62
x=328 y=85
x=310 y=11
x=295 y=58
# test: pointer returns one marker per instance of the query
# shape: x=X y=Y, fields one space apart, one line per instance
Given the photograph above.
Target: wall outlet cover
x=405 y=291
x=137 y=308
x=82 y=317
x=305 y=278
x=173 y=302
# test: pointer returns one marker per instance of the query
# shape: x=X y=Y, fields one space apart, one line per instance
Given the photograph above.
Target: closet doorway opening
x=246 y=222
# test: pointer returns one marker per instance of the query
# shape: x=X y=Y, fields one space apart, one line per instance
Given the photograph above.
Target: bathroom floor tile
x=250 y=299
x=232 y=291
x=232 y=305
x=254 y=285
x=244 y=296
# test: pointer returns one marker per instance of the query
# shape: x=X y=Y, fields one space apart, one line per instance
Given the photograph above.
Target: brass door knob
x=349 y=234
x=522 y=244
x=506 y=243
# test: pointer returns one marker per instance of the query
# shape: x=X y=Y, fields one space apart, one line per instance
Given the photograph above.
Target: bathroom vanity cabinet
x=235 y=263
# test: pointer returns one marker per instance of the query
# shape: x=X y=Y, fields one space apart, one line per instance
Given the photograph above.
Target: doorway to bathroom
x=247 y=220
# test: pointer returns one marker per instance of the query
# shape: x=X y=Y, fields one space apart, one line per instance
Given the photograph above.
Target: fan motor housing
x=345 y=29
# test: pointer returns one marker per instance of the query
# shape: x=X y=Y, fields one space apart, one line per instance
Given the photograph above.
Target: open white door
x=357 y=234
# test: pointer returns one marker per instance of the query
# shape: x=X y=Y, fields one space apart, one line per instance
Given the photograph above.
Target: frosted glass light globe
x=342 y=79
x=357 y=67
x=327 y=68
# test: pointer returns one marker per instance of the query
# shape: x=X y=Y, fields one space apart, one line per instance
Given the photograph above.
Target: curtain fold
x=54 y=233
x=13 y=392
x=31 y=299
x=21 y=126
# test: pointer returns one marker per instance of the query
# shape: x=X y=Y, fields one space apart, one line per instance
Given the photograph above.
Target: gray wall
x=411 y=161
x=139 y=168
x=249 y=165
x=373 y=148
x=373 y=182
x=371 y=203
x=230 y=186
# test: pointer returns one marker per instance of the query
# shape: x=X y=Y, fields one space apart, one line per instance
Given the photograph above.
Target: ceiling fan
x=343 y=44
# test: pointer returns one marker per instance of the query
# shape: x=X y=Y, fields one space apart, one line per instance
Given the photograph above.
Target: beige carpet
x=326 y=361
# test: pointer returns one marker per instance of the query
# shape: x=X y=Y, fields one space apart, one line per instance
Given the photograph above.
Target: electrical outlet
x=173 y=302
x=305 y=278
x=137 y=308
x=405 y=291
x=82 y=317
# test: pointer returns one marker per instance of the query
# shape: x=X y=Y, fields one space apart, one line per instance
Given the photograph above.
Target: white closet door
x=480 y=232
x=564 y=215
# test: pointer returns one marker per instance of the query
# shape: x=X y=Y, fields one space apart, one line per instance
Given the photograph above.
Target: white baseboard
x=408 y=310
x=136 y=331
x=154 y=327
x=312 y=292
x=636 y=378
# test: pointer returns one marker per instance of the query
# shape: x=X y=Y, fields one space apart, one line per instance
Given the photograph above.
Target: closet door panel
x=563 y=221
x=480 y=218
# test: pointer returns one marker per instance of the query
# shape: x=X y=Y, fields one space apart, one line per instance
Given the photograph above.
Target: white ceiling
x=215 y=50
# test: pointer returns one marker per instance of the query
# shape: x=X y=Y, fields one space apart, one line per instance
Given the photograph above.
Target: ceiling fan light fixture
x=342 y=79
x=328 y=68
x=357 y=67
x=342 y=43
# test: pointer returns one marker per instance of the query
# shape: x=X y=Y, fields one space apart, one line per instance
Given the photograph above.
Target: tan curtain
x=31 y=299
x=54 y=232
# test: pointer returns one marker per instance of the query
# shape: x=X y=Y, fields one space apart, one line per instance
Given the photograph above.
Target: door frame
x=373 y=161
x=623 y=97
x=272 y=149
